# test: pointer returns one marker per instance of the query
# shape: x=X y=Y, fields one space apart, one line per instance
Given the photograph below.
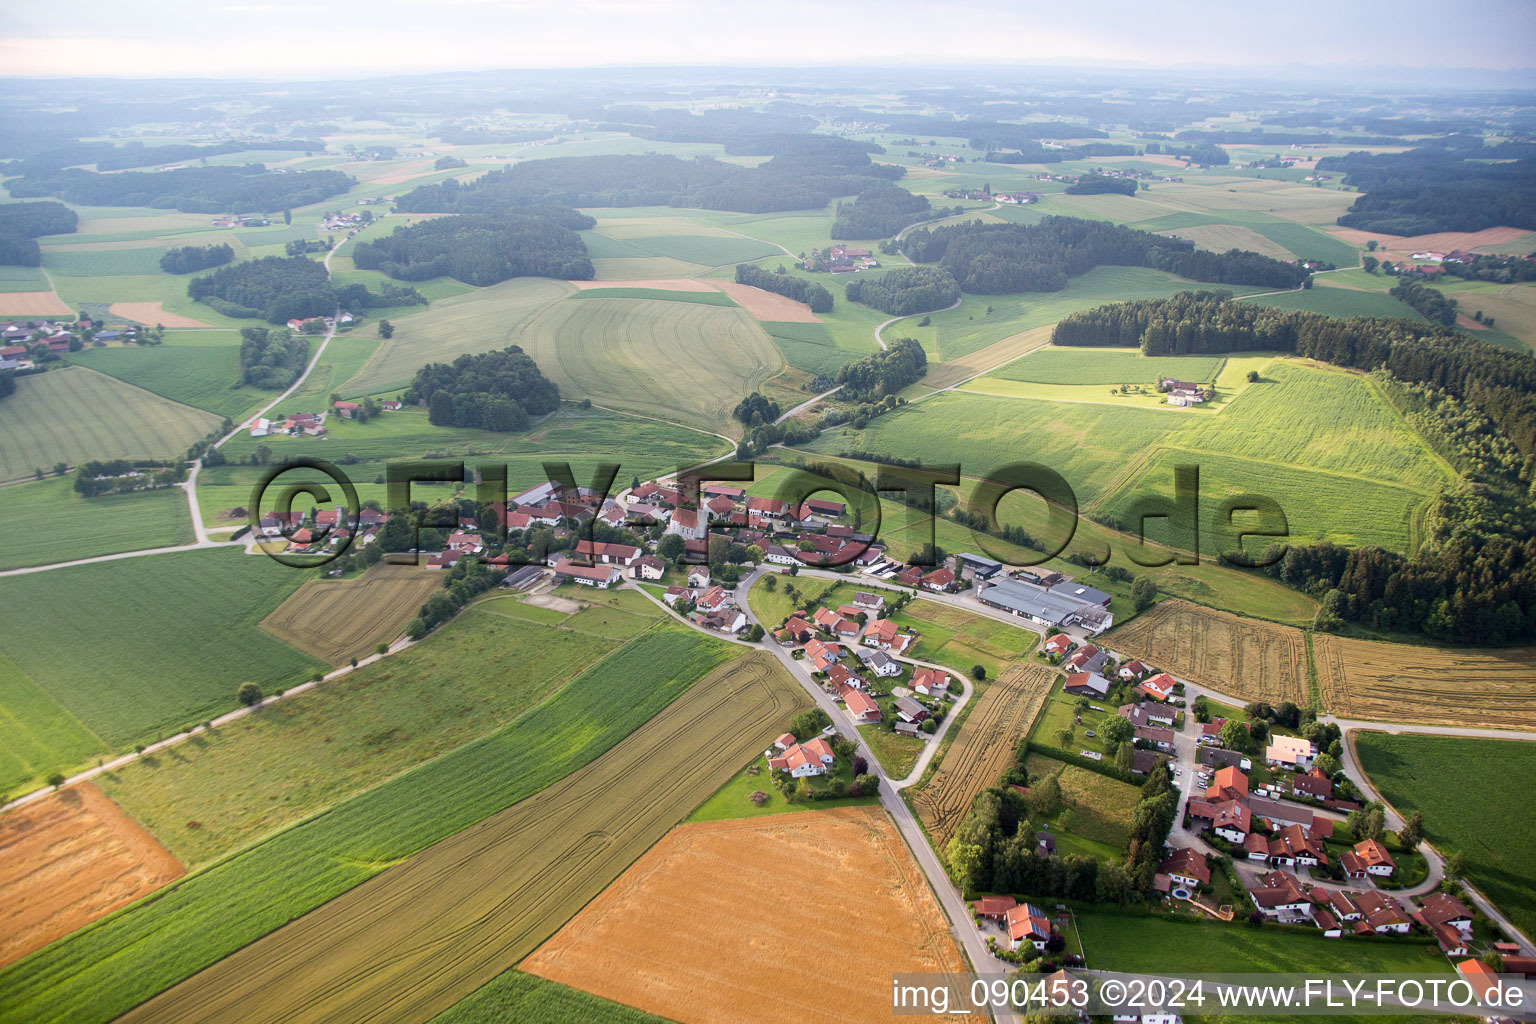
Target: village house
x=872 y=603
x=910 y=710
x=1187 y=867
x=679 y=595
x=1159 y=687
x=605 y=553
x=1087 y=684
x=804 y=759
x=1059 y=643
x=1160 y=739
x=1280 y=894
x=930 y=681
x=1132 y=671
x=861 y=706
x=939 y=580
x=1028 y=923
x=1086 y=658
x=1382 y=913
x=1144 y=714
x=1314 y=785
x=648 y=567
x=880 y=663
x=1291 y=752
x=1375 y=857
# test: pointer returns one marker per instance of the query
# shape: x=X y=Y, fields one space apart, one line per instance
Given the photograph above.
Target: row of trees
x=998 y=258
x=186 y=259
x=484 y=248
x=271 y=358
x=246 y=189
x=906 y=290
x=108 y=156
x=119 y=476
x=491 y=391
x=1431 y=303
x=781 y=282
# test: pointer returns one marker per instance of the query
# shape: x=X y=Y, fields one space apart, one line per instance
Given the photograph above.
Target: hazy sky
x=316 y=39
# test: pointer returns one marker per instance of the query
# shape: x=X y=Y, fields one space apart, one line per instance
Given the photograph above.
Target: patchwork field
x=1381 y=682
x=75 y=414
x=1221 y=237
x=1447 y=778
x=982 y=748
x=100 y=973
x=686 y=362
x=1246 y=658
x=335 y=620
x=478 y=321
x=421 y=936
x=46 y=521
x=743 y=947
x=68 y=859
x=768 y=306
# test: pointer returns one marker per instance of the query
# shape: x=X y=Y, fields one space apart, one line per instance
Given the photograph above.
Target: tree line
x=484 y=248
x=1431 y=303
x=906 y=290
x=989 y=259
x=108 y=156
x=21 y=223
x=282 y=288
x=1474 y=576
x=491 y=391
x=246 y=189
x=186 y=259
x=787 y=285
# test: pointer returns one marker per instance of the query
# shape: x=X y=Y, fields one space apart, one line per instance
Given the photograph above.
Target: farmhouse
x=601 y=576
x=606 y=554
x=939 y=580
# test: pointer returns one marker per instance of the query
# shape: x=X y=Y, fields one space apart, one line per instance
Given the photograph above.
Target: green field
x=105 y=262
x=812 y=347
x=1493 y=826
x=732 y=800
x=137 y=649
x=1108 y=366
x=243 y=781
x=515 y=996
x=74 y=414
x=47 y=521
x=1096 y=807
x=182 y=369
x=40 y=736
x=478 y=321
x=1340 y=302
x=710 y=298
x=706 y=250
x=22 y=279
x=100 y=972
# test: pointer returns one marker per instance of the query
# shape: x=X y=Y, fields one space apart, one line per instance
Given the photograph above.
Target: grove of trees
x=906 y=290
x=188 y=258
x=799 y=289
x=491 y=391
x=484 y=248
x=271 y=358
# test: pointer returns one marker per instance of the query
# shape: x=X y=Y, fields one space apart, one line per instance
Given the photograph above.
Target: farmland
x=166 y=648
x=1385 y=682
x=202 y=373
x=1448 y=779
x=685 y=362
x=209 y=914
x=1246 y=658
x=75 y=414
x=334 y=620
x=983 y=746
x=1108 y=366
x=475 y=903
x=68 y=859
x=40 y=735
x=49 y=522
x=627 y=946
x=1340 y=302
x=513 y=995
x=244 y=780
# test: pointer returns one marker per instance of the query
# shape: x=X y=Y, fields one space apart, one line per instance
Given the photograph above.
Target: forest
x=246 y=189
x=993 y=259
x=271 y=358
x=799 y=289
x=20 y=223
x=186 y=259
x=906 y=290
x=274 y=288
x=1100 y=184
x=1427 y=190
x=108 y=156
x=1474 y=578
x=492 y=391
x=880 y=212
x=484 y=248
x=1035 y=153
x=789 y=181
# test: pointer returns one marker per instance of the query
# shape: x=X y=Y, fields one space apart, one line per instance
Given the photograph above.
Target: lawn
x=1493 y=826
x=46 y=521
x=186 y=368
x=245 y=780
x=1059 y=712
x=959 y=639
x=100 y=972
x=896 y=753
x=732 y=800
x=73 y=415
x=136 y=650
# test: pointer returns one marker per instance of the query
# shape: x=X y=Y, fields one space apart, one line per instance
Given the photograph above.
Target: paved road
x=797 y=410
x=926 y=312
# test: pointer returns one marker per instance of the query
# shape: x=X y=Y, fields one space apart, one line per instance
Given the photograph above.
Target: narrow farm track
x=413 y=941
x=929 y=312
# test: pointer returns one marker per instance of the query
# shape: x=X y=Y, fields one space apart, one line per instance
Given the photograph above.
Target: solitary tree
x=386 y=329
x=248 y=694
x=1143 y=593
x=1412 y=831
x=1456 y=866
x=978 y=672
x=56 y=780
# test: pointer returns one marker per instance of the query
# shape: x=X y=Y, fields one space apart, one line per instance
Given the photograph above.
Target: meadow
x=46 y=521
x=1095 y=807
x=201 y=371
x=248 y=779
x=160 y=648
x=74 y=414
x=1447 y=778
x=1340 y=302
x=22 y=279
x=1108 y=366
x=40 y=735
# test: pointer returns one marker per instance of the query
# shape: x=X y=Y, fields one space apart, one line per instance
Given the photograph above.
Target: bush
x=249 y=694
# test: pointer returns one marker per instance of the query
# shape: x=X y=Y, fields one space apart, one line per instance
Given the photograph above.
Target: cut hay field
x=1246 y=658
x=684 y=362
x=104 y=261
x=1108 y=366
x=478 y=321
x=68 y=859
x=162 y=648
x=100 y=973
x=32 y=303
x=420 y=937
x=1221 y=237
x=1449 y=779
x=249 y=779
x=46 y=521
x=1383 y=682
x=334 y=620
x=1306 y=242
x=812 y=347
x=983 y=747
x=186 y=371
x=76 y=414
x=743 y=949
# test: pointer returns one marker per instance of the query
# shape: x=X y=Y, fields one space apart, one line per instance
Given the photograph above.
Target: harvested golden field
x=769 y=306
x=68 y=859
x=1221 y=237
x=951 y=372
x=412 y=941
x=32 y=304
x=1441 y=241
x=336 y=620
x=153 y=314
x=982 y=748
x=721 y=920
x=1381 y=682
x=1250 y=659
